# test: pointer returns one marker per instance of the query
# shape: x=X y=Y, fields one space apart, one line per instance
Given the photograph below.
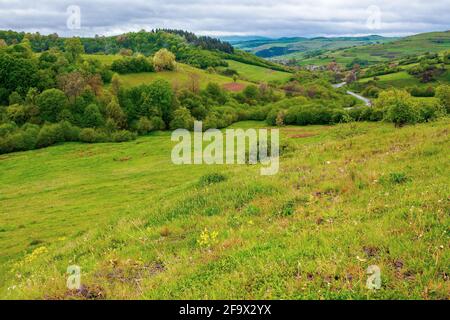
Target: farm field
x=347 y=197
x=259 y=74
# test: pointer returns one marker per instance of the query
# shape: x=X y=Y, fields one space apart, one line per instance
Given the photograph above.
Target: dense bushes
x=443 y=94
x=164 y=60
x=400 y=108
x=30 y=136
x=132 y=65
x=51 y=102
x=425 y=92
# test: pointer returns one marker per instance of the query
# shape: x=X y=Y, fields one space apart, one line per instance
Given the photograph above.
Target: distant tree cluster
x=203 y=42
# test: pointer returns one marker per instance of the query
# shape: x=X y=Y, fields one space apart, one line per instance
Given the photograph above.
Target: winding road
x=366 y=101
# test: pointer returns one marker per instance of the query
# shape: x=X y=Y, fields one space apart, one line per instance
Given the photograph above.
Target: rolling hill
x=133 y=221
x=185 y=74
x=392 y=50
x=298 y=47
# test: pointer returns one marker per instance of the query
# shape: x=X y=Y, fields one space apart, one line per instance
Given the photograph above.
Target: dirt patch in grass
x=234 y=87
x=130 y=272
x=124 y=159
x=84 y=293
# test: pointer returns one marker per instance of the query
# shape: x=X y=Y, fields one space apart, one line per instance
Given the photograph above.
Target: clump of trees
x=132 y=65
x=430 y=67
x=164 y=60
x=400 y=108
x=60 y=96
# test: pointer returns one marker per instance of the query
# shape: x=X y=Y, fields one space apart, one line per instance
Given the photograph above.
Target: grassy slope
x=179 y=78
x=301 y=46
x=182 y=76
x=403 y=79
x=131 y=219
x=103 y=58
x=259 y=74
x=418 y=44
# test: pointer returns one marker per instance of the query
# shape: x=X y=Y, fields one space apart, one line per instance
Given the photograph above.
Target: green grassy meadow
x=106 y=59
x=180 y=78
x=347 y=197
x=403 y=79
x=258 y=74
x=376 y=53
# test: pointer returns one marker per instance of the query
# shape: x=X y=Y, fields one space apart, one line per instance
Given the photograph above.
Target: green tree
x=443 y=94
x=144 y=125
x=15 y=98
x=17 y=74
x=398 y=106
x=115 y=84
x=164 y=60
x=51 y=102
x=92 y=118
x=74 y=49
x=115 y=112
x=17 y=113
x=159 y=99
x=182 y=119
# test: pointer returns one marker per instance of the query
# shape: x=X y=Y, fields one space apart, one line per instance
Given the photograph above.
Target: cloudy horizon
x=270 y=18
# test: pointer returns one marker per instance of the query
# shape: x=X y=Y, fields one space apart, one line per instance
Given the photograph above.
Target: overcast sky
x=273 y=18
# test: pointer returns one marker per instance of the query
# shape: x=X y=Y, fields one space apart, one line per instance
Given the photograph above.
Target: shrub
x=395 y=178
x=229 y=72
x=17 y=114
x=422 y=91
x=158 y=123
x=69 y=131
x=15 y=98
x=92 y=118
x=212 y=178
x=443 y=94
x=288 y=209
x=164 y=60
x=122 y=136
x=7 y=128
x=429 y=110
x=398 y=107
x=182 y=119
x=51 y=103
x=88 y=135
x=144 y=125
x=132 y=65
x=49 y=135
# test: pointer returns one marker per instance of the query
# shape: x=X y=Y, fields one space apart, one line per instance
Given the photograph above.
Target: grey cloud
x=220 y=17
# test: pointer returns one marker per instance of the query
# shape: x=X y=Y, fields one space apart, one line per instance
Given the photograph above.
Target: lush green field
x=184 y=76
x=288 y=48
x=375 y=53
x=403 y=79
x=259 y=74
x=347 y=197
x=106 y=59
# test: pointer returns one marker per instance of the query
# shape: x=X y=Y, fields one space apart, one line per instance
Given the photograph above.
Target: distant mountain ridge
x=285 y=46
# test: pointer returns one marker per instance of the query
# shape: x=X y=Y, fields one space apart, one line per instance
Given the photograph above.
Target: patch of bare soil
x=84 y=293
x=124 y=159
x=234 y=87
x=130 y=272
